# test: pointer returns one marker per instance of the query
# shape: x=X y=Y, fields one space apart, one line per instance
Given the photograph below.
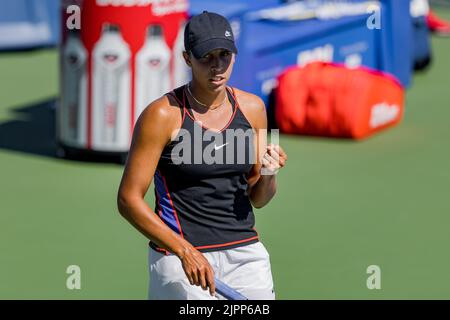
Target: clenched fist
x=274 y=159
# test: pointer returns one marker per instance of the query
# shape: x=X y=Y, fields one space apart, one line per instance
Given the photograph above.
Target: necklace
x=203 y=104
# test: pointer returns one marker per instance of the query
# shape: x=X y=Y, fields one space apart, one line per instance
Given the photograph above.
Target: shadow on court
x=32 y=130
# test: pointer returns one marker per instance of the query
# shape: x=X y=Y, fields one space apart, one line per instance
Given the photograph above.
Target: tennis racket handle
x=227 y=292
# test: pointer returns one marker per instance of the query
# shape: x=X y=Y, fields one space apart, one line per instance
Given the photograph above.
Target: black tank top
x=204 y=198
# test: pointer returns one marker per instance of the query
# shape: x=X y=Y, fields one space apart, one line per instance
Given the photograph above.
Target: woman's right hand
x=197 y=269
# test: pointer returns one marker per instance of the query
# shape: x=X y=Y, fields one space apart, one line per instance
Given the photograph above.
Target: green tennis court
x=341 y=205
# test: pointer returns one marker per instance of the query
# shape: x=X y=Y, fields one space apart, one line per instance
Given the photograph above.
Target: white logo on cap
x=227 y=33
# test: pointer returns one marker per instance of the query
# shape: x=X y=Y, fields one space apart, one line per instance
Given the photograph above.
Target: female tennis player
x=208 y=172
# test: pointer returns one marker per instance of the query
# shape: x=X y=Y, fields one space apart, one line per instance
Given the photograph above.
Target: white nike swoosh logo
x=220 y=147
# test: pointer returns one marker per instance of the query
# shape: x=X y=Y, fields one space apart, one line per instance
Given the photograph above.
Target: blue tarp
x=234 y=10
x=267 y=47
x=285 y=44
x=29 y=23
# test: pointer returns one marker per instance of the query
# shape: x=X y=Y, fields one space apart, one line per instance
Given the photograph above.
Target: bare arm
x=270 y=158
x=149 y=138
x=153 y=131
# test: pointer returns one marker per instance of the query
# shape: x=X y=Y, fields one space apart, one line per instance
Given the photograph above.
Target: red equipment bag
x=326 y=99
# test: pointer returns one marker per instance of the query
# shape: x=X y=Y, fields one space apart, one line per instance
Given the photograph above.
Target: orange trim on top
x=227 y=244
x=160 y=250
x=239 y=106
x=210 y=246
x=158 y=201
x=234 y=96
x=184 y=107
x=171 y=203
x=181 y=104
x=201 y=124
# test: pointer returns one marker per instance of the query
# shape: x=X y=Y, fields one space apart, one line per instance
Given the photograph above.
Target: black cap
x=206 y=32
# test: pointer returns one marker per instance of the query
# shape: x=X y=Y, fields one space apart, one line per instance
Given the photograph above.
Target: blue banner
x=29 y=23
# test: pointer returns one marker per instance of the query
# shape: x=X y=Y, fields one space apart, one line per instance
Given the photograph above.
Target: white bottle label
x=152 y=72
x=181 y=71
x=111 y=94
x=73 y=108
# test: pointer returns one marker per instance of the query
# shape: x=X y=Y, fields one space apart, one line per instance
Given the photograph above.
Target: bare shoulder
x=249 y=101
x=253 y=108
x=161 y=115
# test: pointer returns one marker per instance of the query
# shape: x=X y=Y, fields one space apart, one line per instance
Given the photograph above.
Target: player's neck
x=207 y=98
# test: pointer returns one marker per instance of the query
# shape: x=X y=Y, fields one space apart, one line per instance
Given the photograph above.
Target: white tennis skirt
x=245 y=269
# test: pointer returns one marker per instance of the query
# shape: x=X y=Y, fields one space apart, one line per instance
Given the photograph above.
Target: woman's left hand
x=274 y=159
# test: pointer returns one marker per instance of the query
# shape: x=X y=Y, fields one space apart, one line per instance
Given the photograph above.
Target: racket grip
x=228 y=292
